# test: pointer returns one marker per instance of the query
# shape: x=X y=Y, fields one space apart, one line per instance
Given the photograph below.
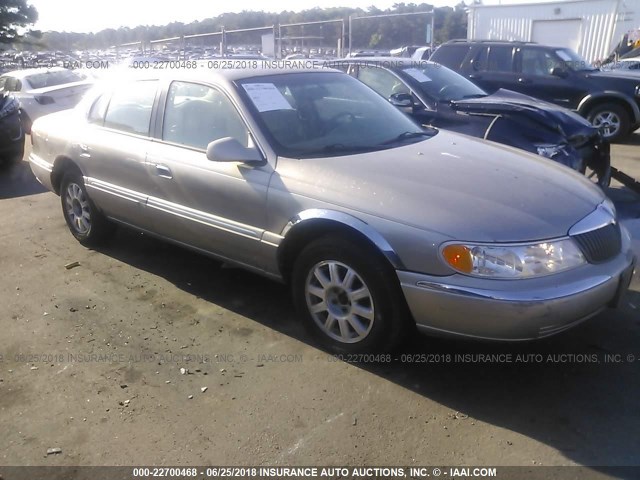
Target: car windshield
x=574 y=61
x=321 y=114
x=51 y=79
x=441 y=84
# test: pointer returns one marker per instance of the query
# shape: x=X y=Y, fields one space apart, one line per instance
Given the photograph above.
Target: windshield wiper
x=475 y=95
x=341 y=147
x=408 y=135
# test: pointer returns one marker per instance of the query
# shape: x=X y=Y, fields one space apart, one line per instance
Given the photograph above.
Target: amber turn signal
x=458 y=257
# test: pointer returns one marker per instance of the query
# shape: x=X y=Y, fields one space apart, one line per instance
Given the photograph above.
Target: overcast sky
x=95 y=15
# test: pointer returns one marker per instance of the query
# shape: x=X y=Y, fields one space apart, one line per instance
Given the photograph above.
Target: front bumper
x=515 y=310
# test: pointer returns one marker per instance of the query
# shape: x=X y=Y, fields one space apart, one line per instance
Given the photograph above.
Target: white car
x=44 y=90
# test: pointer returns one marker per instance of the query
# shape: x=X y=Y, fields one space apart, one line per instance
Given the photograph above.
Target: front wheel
x=86 y=223
x=612 y=120
x=349 y=299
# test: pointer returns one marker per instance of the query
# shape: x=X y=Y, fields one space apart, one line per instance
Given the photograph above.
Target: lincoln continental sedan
x=311 y=178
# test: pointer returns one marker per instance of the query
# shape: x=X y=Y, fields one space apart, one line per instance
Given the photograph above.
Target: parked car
x=44 y=90
x=609 y=100
x=422 y=53
x=11 y=133
x=311 y=178
x=436 y=96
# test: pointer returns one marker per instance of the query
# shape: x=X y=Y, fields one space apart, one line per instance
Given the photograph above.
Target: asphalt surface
x=91 y=357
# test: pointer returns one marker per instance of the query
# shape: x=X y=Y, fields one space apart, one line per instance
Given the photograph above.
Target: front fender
x=314 y=216
x=586 y=102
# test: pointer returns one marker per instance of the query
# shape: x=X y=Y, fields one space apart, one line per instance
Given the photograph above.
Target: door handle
x=84 y=150
x=524 y=80
x=475 y=76
x=163 y=171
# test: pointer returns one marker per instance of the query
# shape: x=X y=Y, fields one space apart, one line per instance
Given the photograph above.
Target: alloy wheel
x=339 y=301
x=78 y=208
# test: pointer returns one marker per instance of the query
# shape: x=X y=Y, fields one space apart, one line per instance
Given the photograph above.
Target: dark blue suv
x=609 y=100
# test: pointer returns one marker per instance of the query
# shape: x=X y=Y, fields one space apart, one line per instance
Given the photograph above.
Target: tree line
x=381 y=33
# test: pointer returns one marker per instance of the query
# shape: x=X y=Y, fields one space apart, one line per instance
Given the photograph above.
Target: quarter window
x=98 y=110
x=130 y=107
x=196 y=115
x=451 y=56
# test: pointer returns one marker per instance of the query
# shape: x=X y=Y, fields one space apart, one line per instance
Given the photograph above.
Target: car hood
x=613 y=74
x=459 y=186
x=547 y=114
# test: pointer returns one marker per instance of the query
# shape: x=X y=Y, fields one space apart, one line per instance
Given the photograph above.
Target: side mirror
x=228 y=149
x=560 y=72
x=401 y=100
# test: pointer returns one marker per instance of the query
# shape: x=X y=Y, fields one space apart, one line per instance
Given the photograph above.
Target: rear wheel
x=26 y=122
x=611 y=119
x=348 y=297
x=86 y=223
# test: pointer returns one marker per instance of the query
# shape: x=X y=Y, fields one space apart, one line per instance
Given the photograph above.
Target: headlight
x=551 y=151
x=513 y=261
x=10 y=106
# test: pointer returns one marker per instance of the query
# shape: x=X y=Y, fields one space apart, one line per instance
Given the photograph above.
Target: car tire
x=613 y=121
x=349 y=297
x=27 y=123
x=86 y=223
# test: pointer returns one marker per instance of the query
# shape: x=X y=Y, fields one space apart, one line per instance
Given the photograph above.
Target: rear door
x=113 y=149
x=492 y=68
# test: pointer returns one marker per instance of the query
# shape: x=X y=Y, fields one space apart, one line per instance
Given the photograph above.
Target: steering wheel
x=445 y=92
x=335 y=121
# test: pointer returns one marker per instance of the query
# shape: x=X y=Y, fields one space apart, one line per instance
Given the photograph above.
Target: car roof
x=388 y=62
x=205 y=74
x=501 y=42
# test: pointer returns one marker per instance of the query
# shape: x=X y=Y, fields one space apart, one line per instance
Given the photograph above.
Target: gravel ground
x=92 y=361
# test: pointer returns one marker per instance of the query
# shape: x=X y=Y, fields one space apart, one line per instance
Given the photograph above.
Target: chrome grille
x=602 y=244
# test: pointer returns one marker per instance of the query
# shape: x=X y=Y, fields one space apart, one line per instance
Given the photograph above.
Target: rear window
x=451 y=56
x=52 y=79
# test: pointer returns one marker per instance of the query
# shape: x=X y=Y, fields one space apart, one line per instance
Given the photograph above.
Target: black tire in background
x=612 y=119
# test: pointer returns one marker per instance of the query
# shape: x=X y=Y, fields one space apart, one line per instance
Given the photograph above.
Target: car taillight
x=44 y=99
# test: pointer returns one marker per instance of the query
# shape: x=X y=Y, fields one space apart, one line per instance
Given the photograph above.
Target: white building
x=593 y=28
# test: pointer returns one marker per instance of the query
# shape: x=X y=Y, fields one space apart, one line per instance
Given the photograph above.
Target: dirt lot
x=91 y=357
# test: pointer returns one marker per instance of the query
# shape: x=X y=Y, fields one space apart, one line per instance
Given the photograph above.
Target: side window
x=499 y=59
x=451 y=56
x=10 y=84
x=383 y=82
x=130 y=107
x=196 y=115
x=98 y=109
x=538 y=62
